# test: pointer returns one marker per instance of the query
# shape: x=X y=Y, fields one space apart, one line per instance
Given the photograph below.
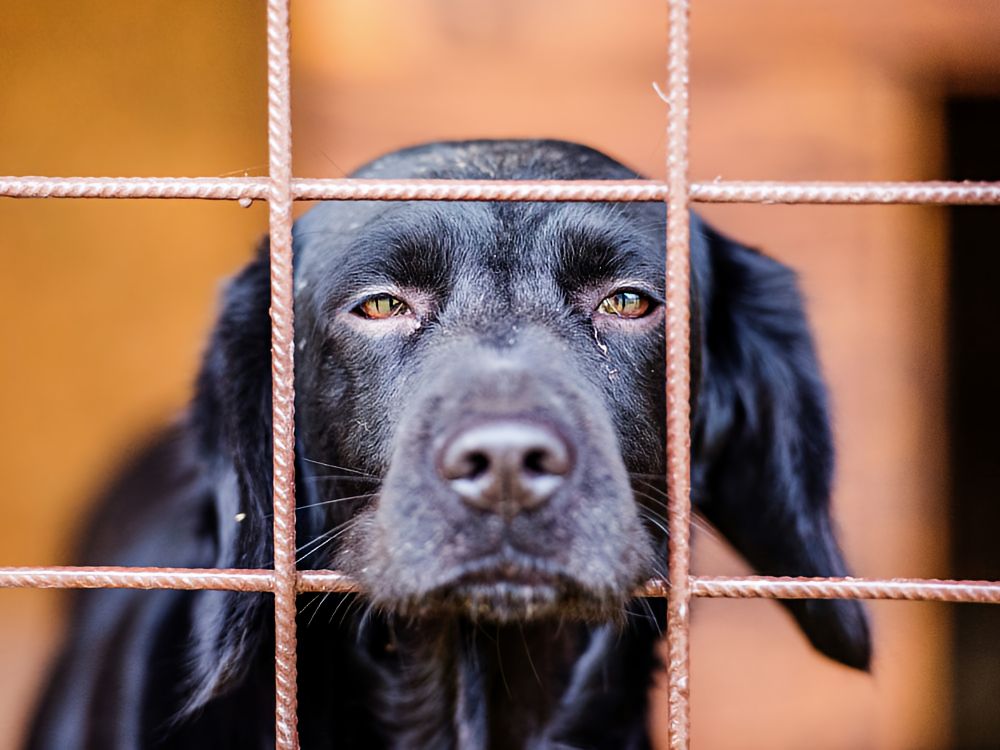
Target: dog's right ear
x=762 y=444
x=231 y=417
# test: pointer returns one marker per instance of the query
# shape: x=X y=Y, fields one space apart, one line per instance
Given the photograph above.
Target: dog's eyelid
x=626 y=301
x=636 y=288
x=626 y=304
x=382 y=306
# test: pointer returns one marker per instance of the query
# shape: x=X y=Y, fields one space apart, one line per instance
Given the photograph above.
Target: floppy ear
x=762 y=446
x=231 y=417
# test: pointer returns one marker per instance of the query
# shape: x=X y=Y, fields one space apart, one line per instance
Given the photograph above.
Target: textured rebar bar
x=327 y=580
x=913 y=589
x=936 y=193
x=279 y=139
x=204 y=188
x=720 y=191
x=217 y=579
x=678 y=393
x=849 y=193
x=246 y=579
x=611 y=191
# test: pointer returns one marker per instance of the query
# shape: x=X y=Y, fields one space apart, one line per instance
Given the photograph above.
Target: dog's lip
x=506 y=569
x=514 y=589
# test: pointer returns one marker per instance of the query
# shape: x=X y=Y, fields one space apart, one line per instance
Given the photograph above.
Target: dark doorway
x=974 y=154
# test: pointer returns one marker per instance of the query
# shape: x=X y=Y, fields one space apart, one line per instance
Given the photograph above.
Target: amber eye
x=626 y=304
x=380 y=307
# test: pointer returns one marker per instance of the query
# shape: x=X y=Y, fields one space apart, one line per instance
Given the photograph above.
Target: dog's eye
x=381 y=306
x=626 y=304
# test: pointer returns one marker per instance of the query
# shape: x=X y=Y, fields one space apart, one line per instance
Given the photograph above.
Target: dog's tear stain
x=600 y=344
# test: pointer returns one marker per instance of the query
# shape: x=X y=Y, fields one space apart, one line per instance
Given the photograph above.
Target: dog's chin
x=504 y=595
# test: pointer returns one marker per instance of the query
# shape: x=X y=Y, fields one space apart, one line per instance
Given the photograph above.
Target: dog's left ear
x=762 y=445
x=231 y=418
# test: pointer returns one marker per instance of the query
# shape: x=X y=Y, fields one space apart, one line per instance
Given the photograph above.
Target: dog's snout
x=505 y=466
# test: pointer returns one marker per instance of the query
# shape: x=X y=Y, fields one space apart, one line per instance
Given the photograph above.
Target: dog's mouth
x=506 y=590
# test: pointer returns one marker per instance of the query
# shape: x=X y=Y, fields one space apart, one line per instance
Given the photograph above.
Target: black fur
x=480 y=630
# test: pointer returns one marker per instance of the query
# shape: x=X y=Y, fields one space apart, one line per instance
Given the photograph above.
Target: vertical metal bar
x=678 y=376
x=279 y=131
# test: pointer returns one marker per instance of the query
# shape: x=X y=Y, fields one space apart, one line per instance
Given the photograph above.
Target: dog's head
x=480 y=400
x=497 y=368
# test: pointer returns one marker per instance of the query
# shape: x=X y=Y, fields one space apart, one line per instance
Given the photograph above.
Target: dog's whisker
x=335 y=500
x=705 y=527
x=650 y=509
x=323 y=542
x=697 y=522
x=322 y=600
x=341 y=477
x=327 y=536
x=657 y=523
x=314 y=540
x=340 y=604
x=635 y=616
x=313 y=602
x=348 y=469
x=652 y=617
x=503 y=674
x=329 y=502
x=527 y=652
x=653 y=487
x=356 y=603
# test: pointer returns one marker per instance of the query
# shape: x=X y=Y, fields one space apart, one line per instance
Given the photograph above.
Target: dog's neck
x=473 y=687
x=457 y=686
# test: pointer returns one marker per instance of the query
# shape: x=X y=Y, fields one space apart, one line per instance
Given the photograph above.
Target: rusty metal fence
x=280 y=189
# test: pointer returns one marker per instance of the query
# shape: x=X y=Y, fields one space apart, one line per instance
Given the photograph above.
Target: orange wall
x=104 y=306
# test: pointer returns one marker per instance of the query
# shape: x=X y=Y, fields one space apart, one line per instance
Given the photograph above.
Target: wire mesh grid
x=280 y=190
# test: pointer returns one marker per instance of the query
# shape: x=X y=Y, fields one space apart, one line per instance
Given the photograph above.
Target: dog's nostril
x=535 y=462
x=551 y=460
x=505 y=466
x=478 y=464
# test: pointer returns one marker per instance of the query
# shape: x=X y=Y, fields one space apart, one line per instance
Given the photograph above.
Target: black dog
x=480 y=419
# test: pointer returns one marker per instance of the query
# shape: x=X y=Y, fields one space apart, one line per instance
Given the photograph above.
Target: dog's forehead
x=409 y=243
x=336 y=240
x=497 y=160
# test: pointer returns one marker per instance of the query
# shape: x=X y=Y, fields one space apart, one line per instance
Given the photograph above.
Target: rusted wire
x=853 y=193
x=217 y=579
x=678 y=376
x=849 y=193
x=279 y=139
x=611 y=191
x=205 y=188
x=240 y=579
x=913 y=589
x=719 y=191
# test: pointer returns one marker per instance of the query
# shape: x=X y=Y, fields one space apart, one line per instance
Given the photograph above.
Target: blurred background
x=105 y=305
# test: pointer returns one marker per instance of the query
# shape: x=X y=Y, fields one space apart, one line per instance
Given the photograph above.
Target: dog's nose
x=505 y=466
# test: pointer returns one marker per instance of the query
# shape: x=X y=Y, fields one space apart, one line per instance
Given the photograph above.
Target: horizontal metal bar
x=914 y=589
x=955 y=193
x=925 y=193
x=326 y=580
x=720 y=191
x=616 y=191
x=750 y=587
x=187 y=579
x=204 y=188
